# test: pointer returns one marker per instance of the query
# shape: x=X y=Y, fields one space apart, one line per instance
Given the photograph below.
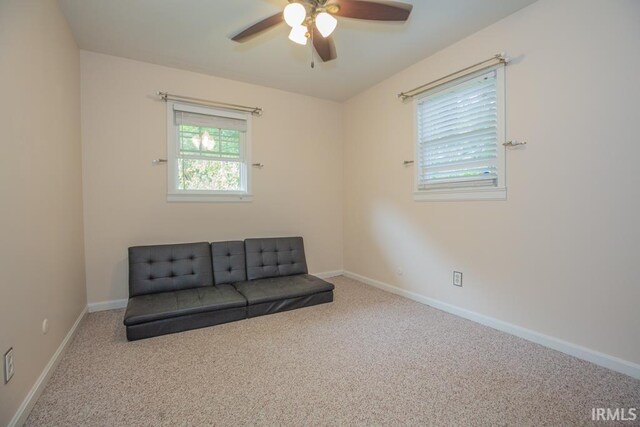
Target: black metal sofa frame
x=174 y=288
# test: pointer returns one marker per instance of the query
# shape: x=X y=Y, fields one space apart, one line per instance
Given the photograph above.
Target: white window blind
x=210 y=121
x=457 y=135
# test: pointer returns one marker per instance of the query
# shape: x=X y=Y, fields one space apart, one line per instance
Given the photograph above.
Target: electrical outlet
x=8 y=365
x=457 y=278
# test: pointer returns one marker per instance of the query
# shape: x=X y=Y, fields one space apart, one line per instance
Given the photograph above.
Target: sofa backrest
x=228 y=262
x=274 y=257
x=163 y=268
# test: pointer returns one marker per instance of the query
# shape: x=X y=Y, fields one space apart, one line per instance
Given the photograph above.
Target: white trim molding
x=328 y=274
x=107 y=305
x=460 y=195
x=605 y=360
x=27 y=404
x=210 y=198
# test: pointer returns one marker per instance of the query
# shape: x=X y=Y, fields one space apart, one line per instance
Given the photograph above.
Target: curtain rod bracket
x=514 y=143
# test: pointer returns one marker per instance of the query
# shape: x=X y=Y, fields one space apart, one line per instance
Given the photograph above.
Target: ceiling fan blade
x=387 y=11
x=263 y=25
x=325 y=47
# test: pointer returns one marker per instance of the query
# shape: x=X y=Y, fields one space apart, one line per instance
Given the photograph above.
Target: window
x=459 y=135
x=208 y=154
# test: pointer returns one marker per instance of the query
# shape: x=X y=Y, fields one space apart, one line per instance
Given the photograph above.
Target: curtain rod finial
x=503 y=57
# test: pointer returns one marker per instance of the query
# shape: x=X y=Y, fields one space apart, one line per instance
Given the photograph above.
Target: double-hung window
x=459 y=136
x=208 y=154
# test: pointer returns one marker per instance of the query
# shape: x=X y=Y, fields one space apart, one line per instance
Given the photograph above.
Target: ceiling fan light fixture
x=326 y=24
x=298 y=34
x=316 y=20
x=294 y=14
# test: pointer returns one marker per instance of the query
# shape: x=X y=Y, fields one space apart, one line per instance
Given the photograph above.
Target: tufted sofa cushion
x=164 y=268
x=166 y=305
x=275 y=257
x=228 y=262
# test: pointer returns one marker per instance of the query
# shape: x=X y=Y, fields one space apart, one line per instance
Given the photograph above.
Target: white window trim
x=469 y=193
x=175 y=195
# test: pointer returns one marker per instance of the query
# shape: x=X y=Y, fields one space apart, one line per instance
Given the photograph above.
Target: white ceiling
x=194 y=35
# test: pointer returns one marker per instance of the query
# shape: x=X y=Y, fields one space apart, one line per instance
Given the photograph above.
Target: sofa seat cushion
x=279 y=288
x=164 y=305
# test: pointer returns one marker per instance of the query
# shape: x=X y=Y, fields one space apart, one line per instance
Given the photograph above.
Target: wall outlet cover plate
x=8 y=365
x=457 y=278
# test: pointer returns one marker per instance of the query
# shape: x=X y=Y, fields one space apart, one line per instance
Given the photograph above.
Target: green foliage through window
x=209 y=158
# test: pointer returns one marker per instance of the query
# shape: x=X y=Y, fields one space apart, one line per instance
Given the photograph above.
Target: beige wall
x=559 y=257
x=41 y=256
x=298 y=192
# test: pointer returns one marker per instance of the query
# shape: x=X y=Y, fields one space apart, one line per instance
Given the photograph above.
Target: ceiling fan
x=316 y=20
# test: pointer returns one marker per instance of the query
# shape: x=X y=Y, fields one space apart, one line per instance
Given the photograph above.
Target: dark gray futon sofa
x=175 y=288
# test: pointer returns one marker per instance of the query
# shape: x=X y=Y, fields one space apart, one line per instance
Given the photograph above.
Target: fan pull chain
x=313 y=64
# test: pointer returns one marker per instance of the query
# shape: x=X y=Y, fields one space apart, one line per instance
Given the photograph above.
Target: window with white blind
x=208 y=154
x=459 y=136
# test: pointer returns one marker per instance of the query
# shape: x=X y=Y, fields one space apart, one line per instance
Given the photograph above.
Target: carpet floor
x=368 y=358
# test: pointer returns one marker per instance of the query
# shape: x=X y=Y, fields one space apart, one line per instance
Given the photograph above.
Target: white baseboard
x=122 y=303
x=328 y=274
x=27 y=404
x=584 y=353
x=107 y=305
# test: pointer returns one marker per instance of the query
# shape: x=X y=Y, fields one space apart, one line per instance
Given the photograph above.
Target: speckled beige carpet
x=369 y=357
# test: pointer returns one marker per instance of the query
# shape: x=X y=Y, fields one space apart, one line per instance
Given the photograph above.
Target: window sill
x=462 y=194
x=210 y=198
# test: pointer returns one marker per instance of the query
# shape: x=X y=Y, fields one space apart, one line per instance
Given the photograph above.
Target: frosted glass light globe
x=298 y=34
x=326 y=24
x=294 y=14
